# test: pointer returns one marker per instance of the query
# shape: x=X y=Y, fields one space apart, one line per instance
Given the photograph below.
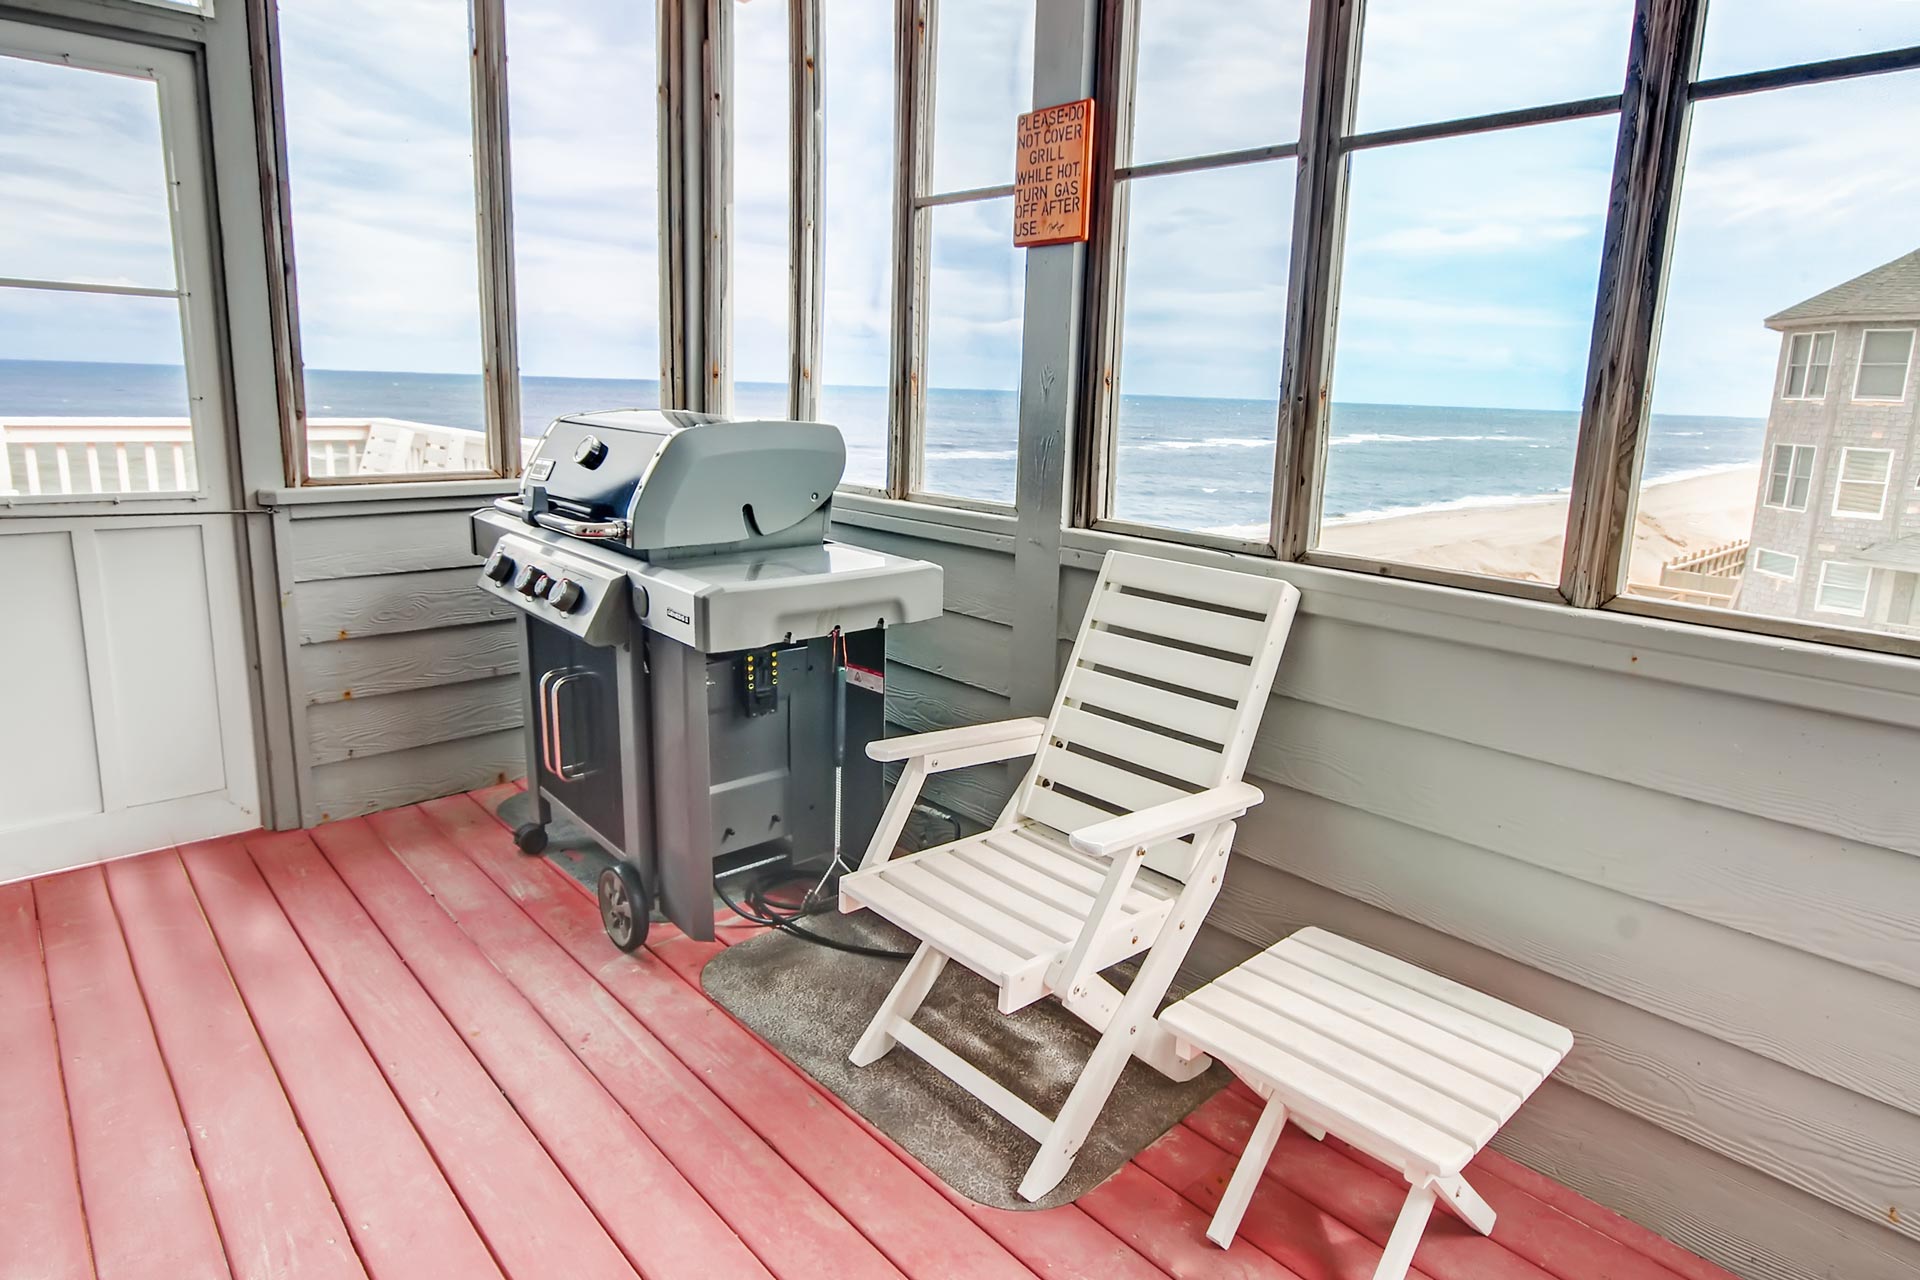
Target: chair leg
x=1407 y=1230
x=1465 y=1202
x=1246 y=1174
x=901 y=1003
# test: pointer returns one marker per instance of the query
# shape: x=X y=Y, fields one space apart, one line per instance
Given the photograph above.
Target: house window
x=1775 y=564
x=1884 y=356
x=1843 y=588
x=1203 y=206
x=1809 y=356
x=1790 y=481
x=1860 y=493
x=1468 y=269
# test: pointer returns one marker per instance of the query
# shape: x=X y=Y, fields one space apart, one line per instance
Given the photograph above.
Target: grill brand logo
x=678 y=616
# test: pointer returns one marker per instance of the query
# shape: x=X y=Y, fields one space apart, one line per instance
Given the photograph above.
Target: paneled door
x=126 y=703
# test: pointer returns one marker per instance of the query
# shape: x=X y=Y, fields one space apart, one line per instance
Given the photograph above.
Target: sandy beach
x=1523 y=540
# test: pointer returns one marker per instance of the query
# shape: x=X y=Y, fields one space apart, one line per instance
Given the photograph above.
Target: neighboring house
x=1836 y=528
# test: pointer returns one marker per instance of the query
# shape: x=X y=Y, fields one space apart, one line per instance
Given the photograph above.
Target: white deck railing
x=98 y=456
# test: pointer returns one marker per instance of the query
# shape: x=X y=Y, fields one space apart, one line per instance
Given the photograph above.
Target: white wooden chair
x=1113 y=844
x=1412 y=1068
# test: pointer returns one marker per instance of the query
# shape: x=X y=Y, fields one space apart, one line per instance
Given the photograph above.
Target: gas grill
x=703 y=668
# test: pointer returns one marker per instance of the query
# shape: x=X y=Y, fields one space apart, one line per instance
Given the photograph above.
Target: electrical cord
x=786 y=918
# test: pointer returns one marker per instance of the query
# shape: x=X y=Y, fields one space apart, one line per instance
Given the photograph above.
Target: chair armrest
x=975 y=743
x=1165 y=821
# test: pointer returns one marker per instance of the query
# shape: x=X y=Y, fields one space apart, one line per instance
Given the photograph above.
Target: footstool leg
x=1246 y=1174
x=1412 y=1223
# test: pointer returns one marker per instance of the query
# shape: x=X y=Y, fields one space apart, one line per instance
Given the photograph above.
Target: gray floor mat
x=811 y=1003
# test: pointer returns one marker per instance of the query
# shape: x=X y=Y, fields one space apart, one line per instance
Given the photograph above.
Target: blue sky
x=1469 y=264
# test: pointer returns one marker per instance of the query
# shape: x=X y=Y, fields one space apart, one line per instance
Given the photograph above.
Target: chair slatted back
x=1162 y=695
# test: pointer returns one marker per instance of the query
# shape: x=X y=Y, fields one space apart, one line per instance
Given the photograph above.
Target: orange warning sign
x=1052 y=180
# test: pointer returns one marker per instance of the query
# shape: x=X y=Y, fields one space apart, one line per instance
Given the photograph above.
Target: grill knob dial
x=590 y=452
x=564 y=595
x=499 y=566
x=524 y=584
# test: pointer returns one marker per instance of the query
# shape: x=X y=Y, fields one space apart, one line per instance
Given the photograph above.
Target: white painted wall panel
x=48 y=766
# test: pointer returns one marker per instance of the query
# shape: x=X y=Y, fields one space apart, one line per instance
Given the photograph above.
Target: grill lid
x=679 y=479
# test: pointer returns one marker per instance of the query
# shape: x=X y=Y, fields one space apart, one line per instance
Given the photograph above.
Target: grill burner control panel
x=572 y=592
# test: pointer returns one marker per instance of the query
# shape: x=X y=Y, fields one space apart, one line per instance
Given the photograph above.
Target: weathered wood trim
x=680 y=199
x=806 y=208
x=1313 y=285
x=373 y=666
x=991 y=532
x=914 y=34
x=493 y=212
x=276 y=215
x=347 y=608
x=1486 y=584
x=1662 y=56
x=359 y=728
x=716 y=206
x=290 y=659
x=372 y=544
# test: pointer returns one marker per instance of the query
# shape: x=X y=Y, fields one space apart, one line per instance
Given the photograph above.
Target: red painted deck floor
x=394 y=1048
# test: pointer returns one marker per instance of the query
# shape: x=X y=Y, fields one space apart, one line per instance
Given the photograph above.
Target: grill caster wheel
x=531 y=838
x=624 y=906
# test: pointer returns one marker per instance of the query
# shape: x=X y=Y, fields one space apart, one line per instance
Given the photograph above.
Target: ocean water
x=1183 y=462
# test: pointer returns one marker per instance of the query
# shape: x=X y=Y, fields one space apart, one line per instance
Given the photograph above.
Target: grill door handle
x=561 y=767
x=587 y=530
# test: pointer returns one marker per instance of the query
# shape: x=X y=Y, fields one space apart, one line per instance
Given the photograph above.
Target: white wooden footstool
x=1415 y=1070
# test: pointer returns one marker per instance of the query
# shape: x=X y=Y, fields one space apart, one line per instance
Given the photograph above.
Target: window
x=1843 y=588
x=585 y=207
x=1791 y=479
x=1775 y=564
x=961 y=428
x=1884 y=355
x=1809 y=356
x=1860 y=493
x=851 y=369
x=1196 y=342
x=1468 y=269
x=379 y=135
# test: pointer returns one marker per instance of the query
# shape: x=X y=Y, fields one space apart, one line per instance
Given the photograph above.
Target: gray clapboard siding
x=1829 y=773
x=1843 y=1025
x=343 y=608
x=1813 y=892
x=383 y=664
x=1830 y=1143
x=357 y=728
x=351 y=787
x=379 y=542
x=920 y=702
x=955 y=646
x=974 y=580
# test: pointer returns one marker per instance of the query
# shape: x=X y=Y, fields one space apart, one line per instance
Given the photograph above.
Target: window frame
x=1820 y=589
x=1812 y=337
x=1790 y=575
x=1906 y=373
x=1840 y=480
x=1793 y=469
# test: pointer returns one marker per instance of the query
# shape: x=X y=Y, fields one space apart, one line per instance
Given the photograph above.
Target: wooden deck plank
x=1171 y=1233
x=795 y=1230
x=532 y=1220
x=404 y=1219
x=46 y=1231
x=147 y=1212
x=617 y=1170
x=276 y=1216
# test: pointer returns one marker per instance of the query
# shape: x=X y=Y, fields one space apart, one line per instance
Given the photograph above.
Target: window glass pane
x=85 y=177
x=983 y=83
x=974 y=301
x=1883 y=361
x=1202 y=328
x=75 y=362
x=1217 y=75
x=1758 y=35
x=856 y=84
x=585 y=206
x=1421 y=61
x=1795 y=216
x=762 y=186
x=1465 y=317
x=1844 y=588
x=1777 y=563
x=380 y=170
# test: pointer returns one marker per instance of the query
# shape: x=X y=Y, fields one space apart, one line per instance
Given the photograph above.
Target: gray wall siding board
x=384 y=664
x=351 y=787
x=379 y=542
x=973 y=578
x=957 y=647
x=360 y=727
x=345 y=608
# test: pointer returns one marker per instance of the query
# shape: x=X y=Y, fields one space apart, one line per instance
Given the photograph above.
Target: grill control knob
x=590 y=452
x=499 y=566
x=524 y=584
x=540 y=585
x=564 y=595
